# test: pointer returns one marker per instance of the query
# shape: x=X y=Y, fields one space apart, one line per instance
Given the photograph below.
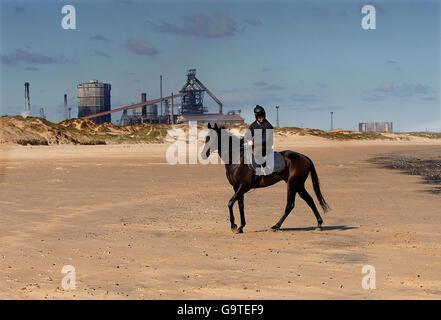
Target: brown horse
x=243 y=179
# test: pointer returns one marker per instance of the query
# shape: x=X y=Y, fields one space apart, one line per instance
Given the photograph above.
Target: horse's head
x=212 y=140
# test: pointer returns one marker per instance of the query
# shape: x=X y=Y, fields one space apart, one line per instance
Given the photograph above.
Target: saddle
x=274 y=163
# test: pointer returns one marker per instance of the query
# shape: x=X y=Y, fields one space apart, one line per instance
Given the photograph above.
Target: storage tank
x=94 y=97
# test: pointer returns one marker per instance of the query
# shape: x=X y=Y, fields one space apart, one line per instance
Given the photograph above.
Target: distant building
x=93 y=98
x=212 y=118
x=375 y=127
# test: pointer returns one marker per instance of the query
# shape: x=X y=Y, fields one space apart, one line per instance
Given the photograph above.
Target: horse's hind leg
x=290 y=203
x=240 y=201
x=308 y=199
x=230 y=208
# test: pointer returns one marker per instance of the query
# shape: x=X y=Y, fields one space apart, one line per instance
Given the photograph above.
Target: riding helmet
x=259 y=111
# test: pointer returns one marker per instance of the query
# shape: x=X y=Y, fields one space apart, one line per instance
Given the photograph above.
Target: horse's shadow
x=324 y=228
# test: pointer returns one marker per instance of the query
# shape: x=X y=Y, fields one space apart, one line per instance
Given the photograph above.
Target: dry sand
x=135 y=227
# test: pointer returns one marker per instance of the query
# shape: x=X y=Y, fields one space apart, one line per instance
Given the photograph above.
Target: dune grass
x=38 y=131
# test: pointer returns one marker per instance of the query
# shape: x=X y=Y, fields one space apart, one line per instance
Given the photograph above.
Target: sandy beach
x=135 y=227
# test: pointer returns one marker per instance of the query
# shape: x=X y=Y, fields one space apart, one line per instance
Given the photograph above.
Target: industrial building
x=95 y=104
x=94 y=98
x=145 y=113
x=375 y=127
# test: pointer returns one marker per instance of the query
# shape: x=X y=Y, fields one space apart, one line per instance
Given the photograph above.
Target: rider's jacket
x=263 y=126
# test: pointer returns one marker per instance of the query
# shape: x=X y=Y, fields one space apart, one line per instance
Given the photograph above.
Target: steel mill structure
x=192 y=108
x=95 y=104
x=94 y=99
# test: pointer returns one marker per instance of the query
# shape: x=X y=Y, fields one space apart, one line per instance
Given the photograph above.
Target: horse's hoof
x=319 y=228
x=233 y=227
x=238 y=231
x=275 y=228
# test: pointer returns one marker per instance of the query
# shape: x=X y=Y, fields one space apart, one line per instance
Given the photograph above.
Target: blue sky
x=308 y=57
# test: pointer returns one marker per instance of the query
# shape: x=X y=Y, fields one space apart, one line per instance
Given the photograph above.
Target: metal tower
x=194 y=93
x=192 y=102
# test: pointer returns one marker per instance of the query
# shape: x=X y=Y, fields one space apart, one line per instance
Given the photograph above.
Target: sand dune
x=37 y=131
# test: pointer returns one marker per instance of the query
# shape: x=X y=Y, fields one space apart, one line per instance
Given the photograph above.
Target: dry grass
x=428 y=135
x=38 y=131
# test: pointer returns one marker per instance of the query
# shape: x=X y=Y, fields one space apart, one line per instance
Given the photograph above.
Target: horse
x=243 y=179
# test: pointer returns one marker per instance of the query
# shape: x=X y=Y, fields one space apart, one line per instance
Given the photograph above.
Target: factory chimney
x=27 y=107
x=144 y=108
x=66 y=116
x=160 y=92
x=172 y=117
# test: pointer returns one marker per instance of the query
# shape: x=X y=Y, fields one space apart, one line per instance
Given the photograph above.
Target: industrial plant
x=94 y=103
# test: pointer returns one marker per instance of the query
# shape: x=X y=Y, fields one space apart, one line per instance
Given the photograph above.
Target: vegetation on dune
x=38 y=131
x=349 y=135
x=428 y=135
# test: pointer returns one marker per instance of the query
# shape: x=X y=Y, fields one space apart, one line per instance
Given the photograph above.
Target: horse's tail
x=316 y=185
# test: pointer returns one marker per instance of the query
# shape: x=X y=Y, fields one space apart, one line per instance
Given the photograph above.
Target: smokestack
x=144 y=99
x=172 y=119
x=27 y=108
x=160 y=89
x=66 y=116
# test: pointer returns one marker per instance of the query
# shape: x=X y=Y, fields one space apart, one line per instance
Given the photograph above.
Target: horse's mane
x=232 y=136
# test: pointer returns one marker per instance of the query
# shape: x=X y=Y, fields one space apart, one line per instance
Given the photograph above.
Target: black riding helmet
x=259 y=111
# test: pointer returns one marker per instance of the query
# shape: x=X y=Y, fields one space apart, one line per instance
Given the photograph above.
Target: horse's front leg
x=238 y=195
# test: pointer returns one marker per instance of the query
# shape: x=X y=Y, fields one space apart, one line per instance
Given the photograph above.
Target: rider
x=260 y=123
